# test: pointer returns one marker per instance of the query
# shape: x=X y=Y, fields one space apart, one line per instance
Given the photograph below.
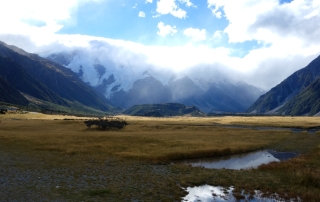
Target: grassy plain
x=135 y=163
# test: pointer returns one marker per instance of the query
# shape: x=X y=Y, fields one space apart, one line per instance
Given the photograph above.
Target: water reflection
x=208 y=193
x=243 y=161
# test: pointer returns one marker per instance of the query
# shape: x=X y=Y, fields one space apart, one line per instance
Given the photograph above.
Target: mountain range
x=93 y=82
x=125 y=86
x=299 y=94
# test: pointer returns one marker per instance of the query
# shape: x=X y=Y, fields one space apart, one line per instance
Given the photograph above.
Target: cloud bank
x=286 y=33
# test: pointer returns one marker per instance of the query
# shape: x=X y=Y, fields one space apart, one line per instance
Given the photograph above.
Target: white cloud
x=19 y=17
x=218 y=14
x=289 y=32
x=188 y=3
x=264 y=67
x=217 y=34
x=165 y=7
x=288 y=35
x=148 y=1
x=141 y=14
x=195 y=34
x=164 y=30
x=135 y=6
x=268 y=21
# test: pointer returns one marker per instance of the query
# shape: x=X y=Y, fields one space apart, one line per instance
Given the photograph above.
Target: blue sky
x=120 y=20
x=259 y=38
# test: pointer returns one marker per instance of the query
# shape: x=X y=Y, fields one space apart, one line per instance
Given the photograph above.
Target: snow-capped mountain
x=128 y=84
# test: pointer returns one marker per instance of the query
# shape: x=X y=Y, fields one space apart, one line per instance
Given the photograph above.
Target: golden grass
x=66 y=143
x=151 y=139
x=40 y=116
x=272 y=121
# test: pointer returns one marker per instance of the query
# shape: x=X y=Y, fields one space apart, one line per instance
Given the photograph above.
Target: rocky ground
x=27 y=178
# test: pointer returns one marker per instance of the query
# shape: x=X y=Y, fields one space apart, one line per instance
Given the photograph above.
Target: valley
x=58 y=157
x=160 y=100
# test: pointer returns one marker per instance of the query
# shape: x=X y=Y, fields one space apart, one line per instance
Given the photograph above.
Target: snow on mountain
x=127 y=82
x=95 y=66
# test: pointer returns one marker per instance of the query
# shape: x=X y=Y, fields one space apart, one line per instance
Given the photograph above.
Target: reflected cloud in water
x=243 y=161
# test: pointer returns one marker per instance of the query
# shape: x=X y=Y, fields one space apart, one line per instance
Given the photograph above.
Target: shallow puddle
x=208 y=193
x=242 y=161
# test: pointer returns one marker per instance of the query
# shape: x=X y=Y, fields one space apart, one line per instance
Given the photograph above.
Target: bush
x=106 y=124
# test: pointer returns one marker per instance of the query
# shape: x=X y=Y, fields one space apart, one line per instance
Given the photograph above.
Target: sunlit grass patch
x=149 y=140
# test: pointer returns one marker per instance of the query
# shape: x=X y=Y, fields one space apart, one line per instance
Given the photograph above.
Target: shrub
x=106 y=124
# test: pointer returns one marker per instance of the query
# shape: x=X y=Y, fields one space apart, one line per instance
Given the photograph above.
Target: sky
x=263 y=41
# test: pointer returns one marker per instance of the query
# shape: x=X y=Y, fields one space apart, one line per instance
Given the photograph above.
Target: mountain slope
x=18 y=78
x=144 y=91
x=57 y=78
x=9 y=94
x=306 y=102
x=287 y=89
x=126 y=85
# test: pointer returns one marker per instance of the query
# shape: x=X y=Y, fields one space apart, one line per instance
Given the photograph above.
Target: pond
x=242 y=161
x=208 y=193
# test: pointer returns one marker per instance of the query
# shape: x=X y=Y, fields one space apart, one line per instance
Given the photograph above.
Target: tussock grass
x=273 y=121
x=126 y=157
x=147 y=140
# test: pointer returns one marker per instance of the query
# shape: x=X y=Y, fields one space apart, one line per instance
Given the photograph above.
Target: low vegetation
x=162 y=110
x=104 y=124
x=135 y=163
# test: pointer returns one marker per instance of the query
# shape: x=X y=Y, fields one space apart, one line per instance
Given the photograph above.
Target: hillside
x=166 y=109
x=50 y=81
x=306 y=102
x=288 y=89
x=18 y=78
x=9 y=94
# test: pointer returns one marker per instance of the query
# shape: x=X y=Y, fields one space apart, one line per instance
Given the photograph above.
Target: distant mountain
x=126 y=86
x=296 y=95
x=166 y=109
x=147 y=90
x=47 y=80
x=9 y=94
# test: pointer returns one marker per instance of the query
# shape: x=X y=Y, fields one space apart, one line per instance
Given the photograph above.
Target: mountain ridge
x=126 y=86
x=59 y=79
x=290 y=88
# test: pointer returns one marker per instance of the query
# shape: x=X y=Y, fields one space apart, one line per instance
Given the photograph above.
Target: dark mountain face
x=307 y=102
x=144 y=91
x=165 y=109
x=223 y=97
x=125 y=87
x=9 y=94
x=287 y=89
x=184 y=89
x=218 y=97
x=18 y=78
x=55 y=77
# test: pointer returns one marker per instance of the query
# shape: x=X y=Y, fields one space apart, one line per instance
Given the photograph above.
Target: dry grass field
x=59 y=158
